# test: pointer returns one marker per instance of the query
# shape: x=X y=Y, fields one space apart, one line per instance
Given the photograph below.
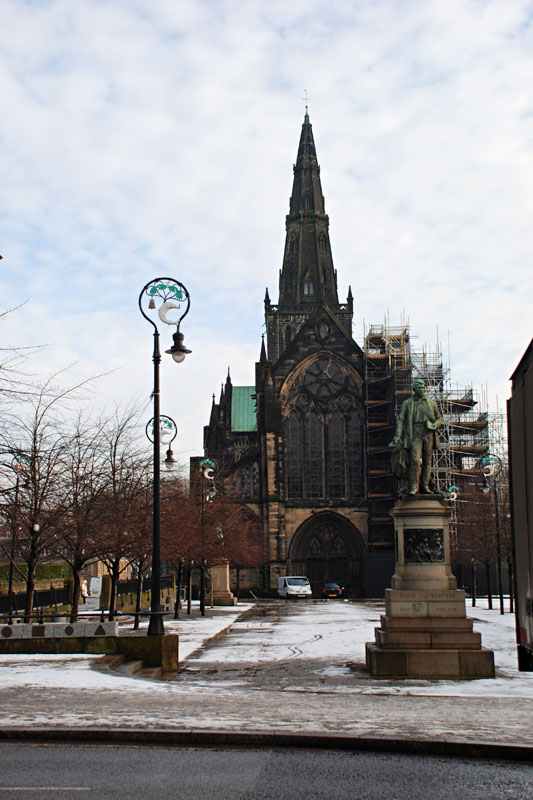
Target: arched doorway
x=327 y=547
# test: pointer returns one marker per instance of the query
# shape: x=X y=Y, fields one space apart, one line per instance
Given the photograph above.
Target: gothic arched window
x=314 y=456
x=308 y=285
x=323 y=433
x=256 y=480
x=292 y=244
x=293 y=441
x=322 y=242
x=246 y=487
x=336 y=457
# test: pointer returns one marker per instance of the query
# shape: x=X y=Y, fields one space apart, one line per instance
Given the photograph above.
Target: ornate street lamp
x=490 y=467
x=166 y=300
x=168 y=431
x=207 y=469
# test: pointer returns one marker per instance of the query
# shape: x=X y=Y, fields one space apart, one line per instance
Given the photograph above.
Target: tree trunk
x=113 y=598
x=30 y=587
x=510 y=573
x=202 y=587
x=76 y=588
x=189 y=590
x=179 y=580
x=473 y=579
x=489 y=583
x=138 y=601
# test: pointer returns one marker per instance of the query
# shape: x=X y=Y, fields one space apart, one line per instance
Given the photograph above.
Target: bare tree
x=34 y=444
x=86 y=480
x=179 y=529
x=128 y=469
x=15 y=385
x=213 y=532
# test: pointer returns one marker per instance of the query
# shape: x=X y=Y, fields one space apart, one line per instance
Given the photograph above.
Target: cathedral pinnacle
x=307 y=276
x=308 y=279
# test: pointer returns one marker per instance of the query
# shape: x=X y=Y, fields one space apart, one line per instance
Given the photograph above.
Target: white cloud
x=141 y=140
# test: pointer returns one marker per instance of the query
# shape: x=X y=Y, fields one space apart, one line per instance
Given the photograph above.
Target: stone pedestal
x=220 y=591
x=425 y=632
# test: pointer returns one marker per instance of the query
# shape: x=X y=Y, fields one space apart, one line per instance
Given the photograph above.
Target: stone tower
x=292 y=446
x=307 y=278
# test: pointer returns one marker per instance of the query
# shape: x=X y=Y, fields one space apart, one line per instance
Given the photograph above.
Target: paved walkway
x=211 y=695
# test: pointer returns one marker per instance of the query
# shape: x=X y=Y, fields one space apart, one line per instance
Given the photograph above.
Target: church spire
x=307 y=276
x=263 y=355
x=308 y=280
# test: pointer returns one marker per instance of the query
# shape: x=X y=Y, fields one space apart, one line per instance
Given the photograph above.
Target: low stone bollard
x=51 y=630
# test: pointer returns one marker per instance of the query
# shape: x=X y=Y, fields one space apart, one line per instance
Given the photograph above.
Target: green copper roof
x=243 y=416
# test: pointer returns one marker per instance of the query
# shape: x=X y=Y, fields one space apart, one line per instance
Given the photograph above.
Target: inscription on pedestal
x=423 y=545
x=401 y=594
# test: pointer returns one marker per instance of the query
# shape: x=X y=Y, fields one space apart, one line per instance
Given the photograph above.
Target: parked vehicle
x=292 y=586
x=332 y=590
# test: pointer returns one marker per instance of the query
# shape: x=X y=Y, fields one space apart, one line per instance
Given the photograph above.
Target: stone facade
x=296 y=457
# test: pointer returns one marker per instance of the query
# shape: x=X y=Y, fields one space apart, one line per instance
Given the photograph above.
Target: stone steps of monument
x=136 y=669
x=130 y=668
x=428 y=640
x=426 y=623
x=112 y=661
x=459 y=663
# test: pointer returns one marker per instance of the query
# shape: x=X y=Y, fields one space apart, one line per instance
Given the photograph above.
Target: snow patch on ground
x=333 y=632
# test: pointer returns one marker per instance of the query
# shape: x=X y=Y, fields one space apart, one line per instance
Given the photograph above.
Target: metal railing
x=42 y=598
x=130 y=587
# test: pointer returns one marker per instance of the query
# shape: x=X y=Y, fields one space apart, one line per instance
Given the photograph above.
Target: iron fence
x=42 y=598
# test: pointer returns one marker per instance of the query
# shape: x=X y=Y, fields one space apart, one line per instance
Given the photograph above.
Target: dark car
x=332 y=590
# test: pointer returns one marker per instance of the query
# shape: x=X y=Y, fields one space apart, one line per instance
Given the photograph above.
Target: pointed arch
x=328 y=547
x=324 y=391
x=315 y=548
x=338 y=548
x=308 y=285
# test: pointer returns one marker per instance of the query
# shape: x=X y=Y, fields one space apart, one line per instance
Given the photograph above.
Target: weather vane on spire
x=306 y=98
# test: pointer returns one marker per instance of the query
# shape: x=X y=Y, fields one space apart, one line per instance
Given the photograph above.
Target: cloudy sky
x=141 y=139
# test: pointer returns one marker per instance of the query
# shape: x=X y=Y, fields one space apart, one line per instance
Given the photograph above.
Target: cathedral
x=293 y=447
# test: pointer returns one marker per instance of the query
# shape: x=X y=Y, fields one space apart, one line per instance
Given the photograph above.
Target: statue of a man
x=416 y=436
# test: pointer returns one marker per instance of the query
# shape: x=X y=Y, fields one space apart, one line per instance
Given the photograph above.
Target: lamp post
x=207 y=469
x=491 y=466
x=160 y=298
x=19 y=463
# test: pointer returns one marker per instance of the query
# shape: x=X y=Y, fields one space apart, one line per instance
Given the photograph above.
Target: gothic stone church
x=292 y=447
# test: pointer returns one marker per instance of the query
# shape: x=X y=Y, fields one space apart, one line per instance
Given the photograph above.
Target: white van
x=294 y=586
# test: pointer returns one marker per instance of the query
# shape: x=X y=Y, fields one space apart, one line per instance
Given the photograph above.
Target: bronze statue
x=416 y=436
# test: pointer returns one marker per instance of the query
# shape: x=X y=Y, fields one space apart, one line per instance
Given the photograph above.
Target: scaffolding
x=467 y=434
